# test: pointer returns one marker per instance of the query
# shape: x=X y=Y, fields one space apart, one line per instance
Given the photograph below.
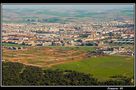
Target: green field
x=80 y=48
x=10 y=44
x=102 y=67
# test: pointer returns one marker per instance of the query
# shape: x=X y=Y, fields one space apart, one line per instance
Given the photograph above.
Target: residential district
x=102 y=34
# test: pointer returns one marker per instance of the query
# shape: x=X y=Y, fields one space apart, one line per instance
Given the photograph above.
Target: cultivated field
x=72 y=58
x=102 y=67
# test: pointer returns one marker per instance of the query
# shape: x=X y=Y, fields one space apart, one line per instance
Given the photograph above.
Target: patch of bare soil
x=46 y=57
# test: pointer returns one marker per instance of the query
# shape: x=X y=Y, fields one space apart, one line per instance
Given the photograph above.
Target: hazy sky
x=92 y=7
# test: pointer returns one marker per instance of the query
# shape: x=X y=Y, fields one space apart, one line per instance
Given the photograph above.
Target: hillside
x=19 y=74
x=51 y=15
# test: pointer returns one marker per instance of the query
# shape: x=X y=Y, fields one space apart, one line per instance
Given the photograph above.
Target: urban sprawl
x=102 y=34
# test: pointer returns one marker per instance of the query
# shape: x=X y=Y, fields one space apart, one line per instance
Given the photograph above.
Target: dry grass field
x=43 y=56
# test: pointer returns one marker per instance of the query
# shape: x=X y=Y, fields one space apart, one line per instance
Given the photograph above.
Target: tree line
x=14 y=73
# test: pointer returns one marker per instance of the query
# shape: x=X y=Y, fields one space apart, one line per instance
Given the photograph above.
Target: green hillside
x=102 y=67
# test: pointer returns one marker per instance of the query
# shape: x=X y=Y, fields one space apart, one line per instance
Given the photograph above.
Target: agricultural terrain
x=72 y=58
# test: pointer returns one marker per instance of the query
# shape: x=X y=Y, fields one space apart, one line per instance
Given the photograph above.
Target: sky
x=82 y=7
